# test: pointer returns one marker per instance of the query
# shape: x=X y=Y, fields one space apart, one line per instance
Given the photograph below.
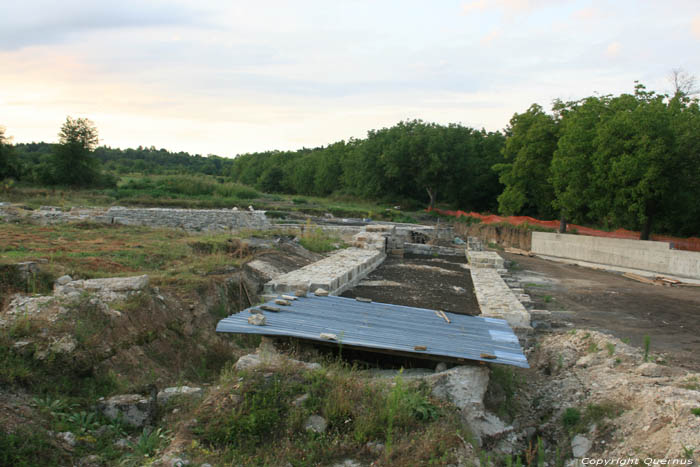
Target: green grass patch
x=263 y=425
x=315 y=239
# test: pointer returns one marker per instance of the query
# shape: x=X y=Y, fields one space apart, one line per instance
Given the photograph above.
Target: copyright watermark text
x=623 y=461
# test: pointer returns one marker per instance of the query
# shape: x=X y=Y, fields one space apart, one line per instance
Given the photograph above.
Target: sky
x=230 y=77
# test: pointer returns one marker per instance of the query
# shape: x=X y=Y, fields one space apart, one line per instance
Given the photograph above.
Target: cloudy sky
x=227 y=77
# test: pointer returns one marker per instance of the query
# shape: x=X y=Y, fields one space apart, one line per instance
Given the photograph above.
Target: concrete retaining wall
x=651 y=256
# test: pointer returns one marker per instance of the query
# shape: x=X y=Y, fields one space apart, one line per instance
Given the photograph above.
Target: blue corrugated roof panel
x=390 y=327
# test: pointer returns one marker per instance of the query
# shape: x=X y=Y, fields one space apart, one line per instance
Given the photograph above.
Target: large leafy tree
x=73 y=162
x=629 y=160
x=531 y=139
x=572 y=163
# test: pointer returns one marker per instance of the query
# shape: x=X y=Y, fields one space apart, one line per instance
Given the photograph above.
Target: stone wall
x=335 y=274
x=495 y=296
x=189 y=219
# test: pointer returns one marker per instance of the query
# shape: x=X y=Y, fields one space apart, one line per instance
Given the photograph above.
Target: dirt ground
x=609 y=302
x=441 y=283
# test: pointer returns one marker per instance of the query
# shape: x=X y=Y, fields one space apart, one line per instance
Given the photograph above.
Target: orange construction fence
x=690 y=244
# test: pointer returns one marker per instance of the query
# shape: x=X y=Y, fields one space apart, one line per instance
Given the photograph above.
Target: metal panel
x=389 y=327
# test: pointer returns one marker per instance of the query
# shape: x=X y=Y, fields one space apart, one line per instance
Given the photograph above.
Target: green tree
x=8 y=162
x=572 y=163
x=629 y=161
x=73 y=162
x=531 y=139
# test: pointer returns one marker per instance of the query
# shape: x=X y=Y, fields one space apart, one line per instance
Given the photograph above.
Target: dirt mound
x=593 y=385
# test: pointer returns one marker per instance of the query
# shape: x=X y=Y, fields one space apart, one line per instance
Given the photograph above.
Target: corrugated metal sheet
x=389 y=327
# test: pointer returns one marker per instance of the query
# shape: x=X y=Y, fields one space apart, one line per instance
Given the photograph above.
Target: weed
x=688 y=452
x=548 y=298
x=145 y=446
x=53 y=407
x=571 y=417
x=24 y=326
x=28 y=447
x=578 y=422
x=315 y=239
x=593 y=347
x=611 y=348
x=695 y=411
x=506 y=379
x=692 y=383
x=647 y=345
x=81 y=422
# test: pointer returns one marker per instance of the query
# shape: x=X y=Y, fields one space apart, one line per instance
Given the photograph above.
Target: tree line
x=631 y=160
x=77 y=161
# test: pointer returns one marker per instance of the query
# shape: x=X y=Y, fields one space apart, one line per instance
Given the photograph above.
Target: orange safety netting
x=691 y=244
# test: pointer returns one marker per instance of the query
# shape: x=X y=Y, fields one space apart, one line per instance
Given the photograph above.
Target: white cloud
x=247 y=75
x=494 y=34
x=695 y=27
x=613 y=49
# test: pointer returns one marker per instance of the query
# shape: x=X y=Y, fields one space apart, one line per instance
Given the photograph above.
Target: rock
x=63 y=280
x=316 y=424
x=122 y=443
x=580 y=445
x=348 y=463
x=65 y=344
x=134 y=409
x=253 y=361
x=328 y=336
x=257 y=320
x=652 y=370
x=299 y=401
x=101 y=430
x=529 y=433
x=175 y=461
x=375 y=447
x=177 y=392
x=321 y=292
x=68 y=437
x=440 y=367
x=465 y=386
x=117 y=284
x=90 y=461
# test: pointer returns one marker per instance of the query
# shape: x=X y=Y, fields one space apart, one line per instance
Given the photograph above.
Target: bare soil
x=439 y=283
x=608 y=302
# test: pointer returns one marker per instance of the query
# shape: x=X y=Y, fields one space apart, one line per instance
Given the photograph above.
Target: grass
x=610 y=348
x=203 y=191
x=507 y=380
x=96 y=250
x=28 y=447
x=647 y=345
x=258 y=424
x=316 y=240
x=576 y=420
